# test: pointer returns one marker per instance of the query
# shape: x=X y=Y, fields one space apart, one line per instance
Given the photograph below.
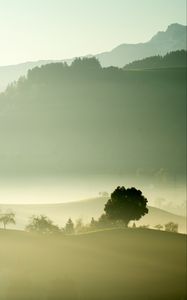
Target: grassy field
x=112 y=264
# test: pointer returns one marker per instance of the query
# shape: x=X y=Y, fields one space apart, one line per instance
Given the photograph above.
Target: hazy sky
x=56 y=29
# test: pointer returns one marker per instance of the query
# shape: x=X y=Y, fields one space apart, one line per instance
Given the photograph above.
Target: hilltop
x=111 y=264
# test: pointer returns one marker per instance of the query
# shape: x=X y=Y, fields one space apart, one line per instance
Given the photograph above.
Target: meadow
x=107 y=264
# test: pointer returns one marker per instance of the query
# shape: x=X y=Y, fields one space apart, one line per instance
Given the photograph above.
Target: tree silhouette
x=79 y=226
x=69 y=228
x=42 y=224
x=126 y=205
x=93 y=223
x=85 y=64
x=134 y=225
x=171 y=59
x=7 y=218
x=171 y=227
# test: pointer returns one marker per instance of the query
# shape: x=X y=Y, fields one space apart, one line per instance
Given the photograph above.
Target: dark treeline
x=88 y=119
x=170 y=60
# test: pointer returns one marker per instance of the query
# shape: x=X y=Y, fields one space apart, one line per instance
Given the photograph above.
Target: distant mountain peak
x=175 y=25
x=172 y=39
x=173 y=31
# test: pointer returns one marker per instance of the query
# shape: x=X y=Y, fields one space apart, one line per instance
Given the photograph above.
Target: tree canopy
x=42 y=224
x=170 y=60
x=126 y=205
x=60 y=113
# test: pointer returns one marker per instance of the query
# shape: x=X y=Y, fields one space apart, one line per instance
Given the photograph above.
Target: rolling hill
x=174 y=38
x=85 y=209
x=117 y=264
x=170 y=60
x=85 y=119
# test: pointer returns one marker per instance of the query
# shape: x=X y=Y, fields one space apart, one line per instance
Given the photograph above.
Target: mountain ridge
x=173 y=59
x=118 y=56
x=160 y=44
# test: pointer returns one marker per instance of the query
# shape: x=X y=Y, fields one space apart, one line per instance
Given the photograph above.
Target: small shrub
x=171 y=227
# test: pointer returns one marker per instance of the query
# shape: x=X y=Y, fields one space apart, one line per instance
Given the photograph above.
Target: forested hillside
x=170 y=60
x=87 y=119
x=174 y=38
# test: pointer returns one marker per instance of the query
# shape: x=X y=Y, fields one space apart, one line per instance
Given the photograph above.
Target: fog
x=93 y=266
x=159 y=191
x=92 y=153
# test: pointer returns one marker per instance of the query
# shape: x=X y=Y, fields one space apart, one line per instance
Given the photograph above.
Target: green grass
x=112 y=264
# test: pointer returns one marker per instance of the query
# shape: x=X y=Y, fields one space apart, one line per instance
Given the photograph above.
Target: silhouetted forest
x=170 y=60
x=87 y=119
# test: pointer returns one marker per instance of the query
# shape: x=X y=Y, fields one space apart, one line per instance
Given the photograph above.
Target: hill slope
x=174 y=38
x=85 y=209
x=84 y=119
x=12 y=73
x=170 y=60
x=114 y=264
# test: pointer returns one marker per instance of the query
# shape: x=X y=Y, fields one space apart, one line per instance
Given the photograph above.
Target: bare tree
x=7 y=218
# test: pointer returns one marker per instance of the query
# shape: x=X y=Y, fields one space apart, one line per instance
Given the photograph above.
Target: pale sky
x=56 y=29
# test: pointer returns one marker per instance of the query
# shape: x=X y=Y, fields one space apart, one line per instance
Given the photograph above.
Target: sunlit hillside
x=112 y=264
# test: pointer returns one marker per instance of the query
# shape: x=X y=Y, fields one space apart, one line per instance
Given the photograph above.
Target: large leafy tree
x=126 y=205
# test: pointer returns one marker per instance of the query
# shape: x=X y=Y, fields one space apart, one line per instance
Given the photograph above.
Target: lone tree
x=7 y=218
x=42 y=224
x=93 y=223
x=69 y=227
x=126 y=205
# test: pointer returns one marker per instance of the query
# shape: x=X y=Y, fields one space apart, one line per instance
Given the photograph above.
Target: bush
x=171 y=227
x=42 y=224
